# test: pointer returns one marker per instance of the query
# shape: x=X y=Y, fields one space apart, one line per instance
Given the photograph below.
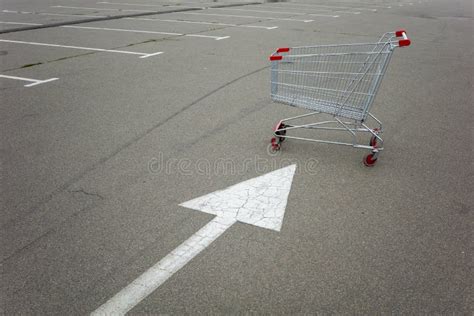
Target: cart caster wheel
x=369 y=160
x=275 y=145
x=373 y=141
x=280 y=125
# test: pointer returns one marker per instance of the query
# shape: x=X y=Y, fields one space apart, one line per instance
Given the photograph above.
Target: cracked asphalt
x=95 y=164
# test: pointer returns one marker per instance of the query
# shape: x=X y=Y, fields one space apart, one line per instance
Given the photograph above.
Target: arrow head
x=260 y=201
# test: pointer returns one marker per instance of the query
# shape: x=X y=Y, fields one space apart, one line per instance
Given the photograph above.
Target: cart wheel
x=373 y=141
x=369 y=160
x=283 y=133
x=275 y=144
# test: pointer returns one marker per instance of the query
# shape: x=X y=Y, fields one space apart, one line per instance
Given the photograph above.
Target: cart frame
x=345 y=117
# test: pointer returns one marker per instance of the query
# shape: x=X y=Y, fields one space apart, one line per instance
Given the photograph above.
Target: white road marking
x=143 y=55
x=58 y=14
x=99 y=9
x=259 y=201
x=34 y=82
x=270 y=18
x=19 y=12
x=247 y=16
x=206 y=23
x=118 y=30
x=217 y=38
x=19 y=23
x=226 y=9
x=327 y=6
x=264 y=11
x=155 y=276
x=372 y=4
x=207 y=36
x=150 y=55
x=74 y=15
x=133 y=4
x=189 y=3
x=312 y=10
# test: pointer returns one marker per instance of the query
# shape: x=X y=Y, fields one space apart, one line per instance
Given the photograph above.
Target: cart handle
x=275 y=55
x=405 y=41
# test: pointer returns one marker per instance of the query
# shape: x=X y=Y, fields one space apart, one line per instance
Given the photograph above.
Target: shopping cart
x=339 y=80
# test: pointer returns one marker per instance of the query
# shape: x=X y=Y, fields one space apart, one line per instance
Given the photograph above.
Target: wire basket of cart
x=339 y=80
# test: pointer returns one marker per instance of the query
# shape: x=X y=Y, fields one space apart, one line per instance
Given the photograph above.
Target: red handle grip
x=279 y=50
x=283 y=50
x=405 y=41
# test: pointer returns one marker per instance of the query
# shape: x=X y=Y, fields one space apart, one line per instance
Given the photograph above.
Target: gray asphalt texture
x=83 y=214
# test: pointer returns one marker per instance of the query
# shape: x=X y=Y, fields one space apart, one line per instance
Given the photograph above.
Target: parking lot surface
x=115 y=114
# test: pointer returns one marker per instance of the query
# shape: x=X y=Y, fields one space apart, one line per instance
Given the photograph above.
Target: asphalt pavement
x=108 y=126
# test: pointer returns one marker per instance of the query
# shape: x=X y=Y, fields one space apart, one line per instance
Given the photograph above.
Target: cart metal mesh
x=341 y=80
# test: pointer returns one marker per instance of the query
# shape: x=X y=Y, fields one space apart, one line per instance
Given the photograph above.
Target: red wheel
x=369 y=160
x=280 y=125
x=373 y=141
x=275 y=144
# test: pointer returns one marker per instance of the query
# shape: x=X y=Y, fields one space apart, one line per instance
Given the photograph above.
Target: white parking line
x=277 y=12
x=74 y=15
x=18 y=12
x=188 y=3
x=387 y=6
x=99 y=9
x=133 y=4
x=207 y=23
x=19 y=23
x=247 y=16
x=326 y=6
x=34 y=82
x=58 y=14
x=217 y=38
x=118 y=30
x=226 y=9
x=142 y=55
x=312 y=10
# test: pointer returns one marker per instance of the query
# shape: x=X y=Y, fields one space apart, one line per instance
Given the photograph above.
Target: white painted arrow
x=260 y=201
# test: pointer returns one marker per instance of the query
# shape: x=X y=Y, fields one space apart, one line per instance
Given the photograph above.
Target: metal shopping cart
x=339 y=80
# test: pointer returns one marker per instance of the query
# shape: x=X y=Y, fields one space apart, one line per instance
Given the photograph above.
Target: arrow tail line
x=155 y=276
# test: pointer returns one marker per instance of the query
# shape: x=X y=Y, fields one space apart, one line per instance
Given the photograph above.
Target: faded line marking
x=119 y=30
x=206 y=23
x=248 y=17
x=18 y=23
x=327 y=6
x=74 y=15
x=262 y=11
x=18 y=12
x=133 y=4
x=99 y=9
x=58 y=14
x=217 y=38
x=312 y=10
